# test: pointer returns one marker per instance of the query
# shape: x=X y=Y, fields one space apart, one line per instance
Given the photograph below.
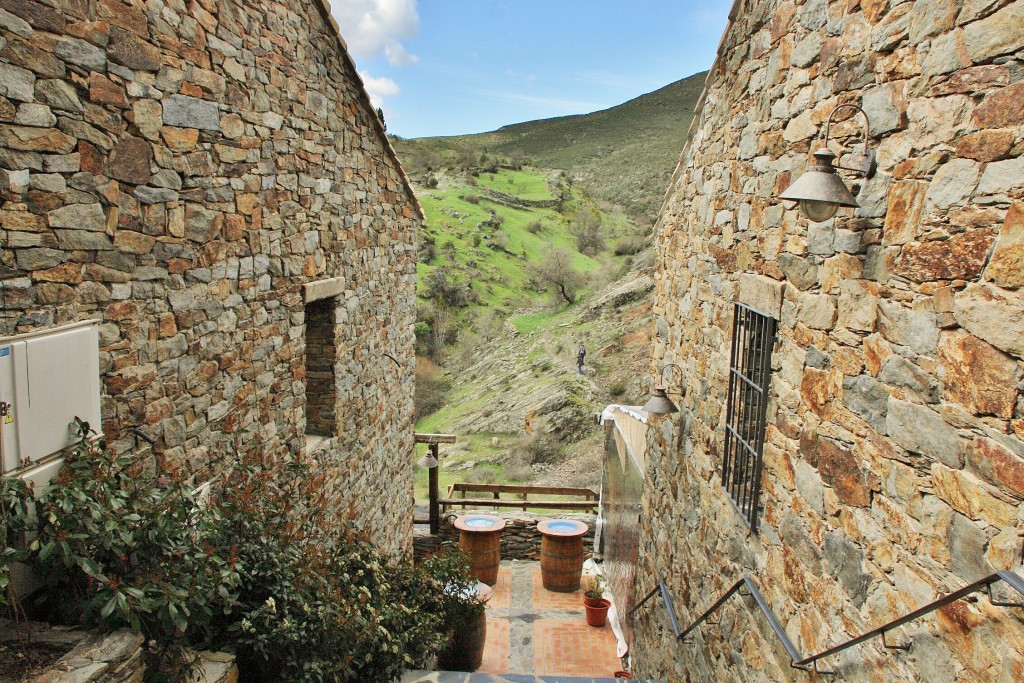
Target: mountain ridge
x=624 y=154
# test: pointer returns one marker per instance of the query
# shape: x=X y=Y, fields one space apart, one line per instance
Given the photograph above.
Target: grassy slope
x=494 y=259
x=625 y=154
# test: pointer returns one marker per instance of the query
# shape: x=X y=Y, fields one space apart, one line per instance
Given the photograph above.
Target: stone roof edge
x=698 y=108
x=325 y=11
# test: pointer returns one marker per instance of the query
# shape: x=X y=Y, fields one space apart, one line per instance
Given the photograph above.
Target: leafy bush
x=459 y=603
x=432 y=388
x=120 y=545
x=630 y=245
x=15 y=502
x=448 y=288
x=264 y=570
x=543 y=449
x=317 y=602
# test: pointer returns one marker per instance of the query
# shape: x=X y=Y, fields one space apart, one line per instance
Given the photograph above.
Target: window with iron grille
x=750 y=369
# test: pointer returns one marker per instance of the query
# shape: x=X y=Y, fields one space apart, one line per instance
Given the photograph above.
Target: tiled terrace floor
x=531 y=630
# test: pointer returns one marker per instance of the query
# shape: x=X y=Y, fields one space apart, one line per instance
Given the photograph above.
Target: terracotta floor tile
x=533 y=631
x=568 y=647
x=545 y=599
x=496 y=646
x=502 y=589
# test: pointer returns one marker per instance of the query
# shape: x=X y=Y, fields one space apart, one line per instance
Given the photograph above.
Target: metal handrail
x=798 y=661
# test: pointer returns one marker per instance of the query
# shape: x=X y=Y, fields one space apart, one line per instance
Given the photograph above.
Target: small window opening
x=750 y=369
x=321 y=357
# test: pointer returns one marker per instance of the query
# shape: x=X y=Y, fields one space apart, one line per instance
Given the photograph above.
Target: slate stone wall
x=894 y=454
x=180 y=170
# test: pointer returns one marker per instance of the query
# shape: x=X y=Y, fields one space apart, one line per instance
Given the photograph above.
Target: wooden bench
x=587 y=499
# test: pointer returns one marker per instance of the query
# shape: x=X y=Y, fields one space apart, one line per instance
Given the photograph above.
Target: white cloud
x=565 y=106
x=379 y=88
x=377 y=27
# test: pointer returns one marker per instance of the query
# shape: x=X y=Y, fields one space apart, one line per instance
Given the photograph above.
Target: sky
x=453 y=67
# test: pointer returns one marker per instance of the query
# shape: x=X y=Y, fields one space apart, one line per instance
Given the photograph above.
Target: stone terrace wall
x=180 y=170
x=894 y=456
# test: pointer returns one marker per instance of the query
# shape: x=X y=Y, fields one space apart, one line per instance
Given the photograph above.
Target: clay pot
x=598 y=613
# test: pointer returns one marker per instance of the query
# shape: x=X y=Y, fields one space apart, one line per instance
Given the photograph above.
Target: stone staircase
x=463 y=677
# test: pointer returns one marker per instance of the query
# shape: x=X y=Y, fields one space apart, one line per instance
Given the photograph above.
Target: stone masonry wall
x=179 y=170
x=894 y=454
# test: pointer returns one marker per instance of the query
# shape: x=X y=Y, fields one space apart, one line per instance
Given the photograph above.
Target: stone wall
x=894 y=454
x=180 y=170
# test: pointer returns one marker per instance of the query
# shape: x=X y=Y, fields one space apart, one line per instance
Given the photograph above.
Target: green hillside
x=624 y=155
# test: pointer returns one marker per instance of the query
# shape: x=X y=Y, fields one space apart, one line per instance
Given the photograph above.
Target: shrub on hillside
x=630 y=245
x=542 y=449
x=431 y=389
x=447 y=288
x=534 y=227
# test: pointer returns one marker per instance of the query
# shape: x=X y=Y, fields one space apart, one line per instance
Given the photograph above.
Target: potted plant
x=462 y=604
x=594 y=591
x=596 y=605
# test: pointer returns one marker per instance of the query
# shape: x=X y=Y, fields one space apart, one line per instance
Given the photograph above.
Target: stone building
x=209 y=181
x=893 y=443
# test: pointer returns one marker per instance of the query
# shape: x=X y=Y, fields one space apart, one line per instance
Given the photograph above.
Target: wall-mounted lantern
x=820 y=191
x=660 y=404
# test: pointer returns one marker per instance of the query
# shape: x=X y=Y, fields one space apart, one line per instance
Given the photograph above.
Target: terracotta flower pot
x=597 y=614
x=592 y=602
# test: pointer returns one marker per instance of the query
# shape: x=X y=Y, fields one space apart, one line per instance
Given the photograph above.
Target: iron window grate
x=750 y=369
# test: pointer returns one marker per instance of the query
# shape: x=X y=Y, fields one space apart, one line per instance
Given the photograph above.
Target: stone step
x=463 y=677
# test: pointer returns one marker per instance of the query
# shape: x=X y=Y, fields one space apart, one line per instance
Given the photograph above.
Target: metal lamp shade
x=820 y=185
x=659 y=403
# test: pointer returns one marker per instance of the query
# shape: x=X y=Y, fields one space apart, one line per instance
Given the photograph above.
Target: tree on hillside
x=589 y=233
x=557 y=274
x=442 y=330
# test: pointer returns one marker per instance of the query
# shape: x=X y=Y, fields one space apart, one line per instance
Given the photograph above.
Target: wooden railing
x=475 y=495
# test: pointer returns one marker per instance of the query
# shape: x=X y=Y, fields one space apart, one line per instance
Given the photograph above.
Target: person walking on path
x=581 y=355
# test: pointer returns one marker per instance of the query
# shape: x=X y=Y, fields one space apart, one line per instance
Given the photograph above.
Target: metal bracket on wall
x=747 y=588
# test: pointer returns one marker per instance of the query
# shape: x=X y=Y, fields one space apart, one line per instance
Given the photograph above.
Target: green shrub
x=630 y=245
x=15 y=504
x=120 y=545
x=317 y=603
x=263 y=570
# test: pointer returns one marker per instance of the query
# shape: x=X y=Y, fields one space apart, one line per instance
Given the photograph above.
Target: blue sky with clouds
x=449 y=67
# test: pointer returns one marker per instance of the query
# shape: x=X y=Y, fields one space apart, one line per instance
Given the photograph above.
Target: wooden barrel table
x=561 y=554
x=465 y=649
x=479 y=536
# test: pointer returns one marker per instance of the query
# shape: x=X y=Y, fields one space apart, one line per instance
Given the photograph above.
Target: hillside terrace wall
x=894 y=454
x=180 y=171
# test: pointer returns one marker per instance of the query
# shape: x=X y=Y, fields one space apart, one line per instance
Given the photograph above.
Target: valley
x=537 y=239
